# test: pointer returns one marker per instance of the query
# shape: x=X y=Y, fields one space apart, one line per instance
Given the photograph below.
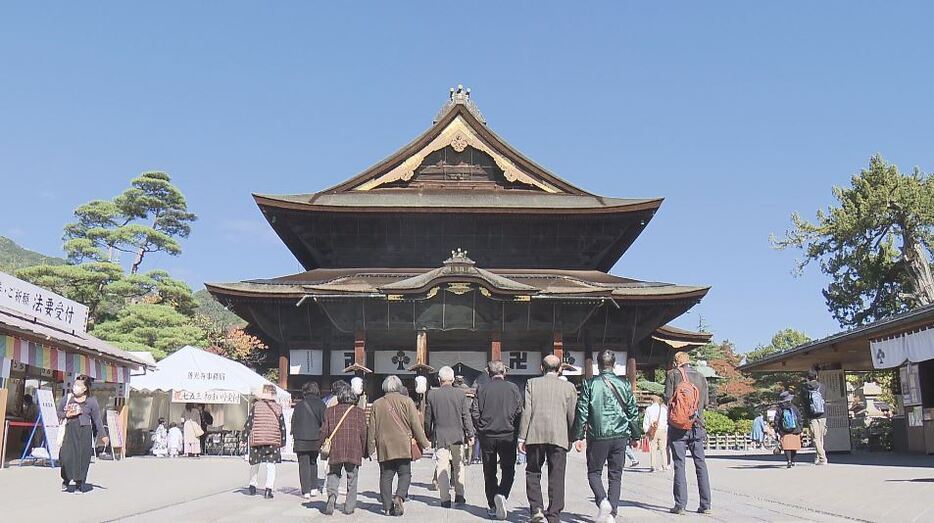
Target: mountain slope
x=13 y=257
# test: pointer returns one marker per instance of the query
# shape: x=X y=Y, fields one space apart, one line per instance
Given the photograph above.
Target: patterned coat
x=262 y=418
x=348 y=445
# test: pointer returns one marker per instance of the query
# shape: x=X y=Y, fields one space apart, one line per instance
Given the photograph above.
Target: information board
x=49 y=415
x=43 y=305
x=114 y=429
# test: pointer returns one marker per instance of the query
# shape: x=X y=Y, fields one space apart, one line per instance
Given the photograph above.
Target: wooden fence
x=742 y=441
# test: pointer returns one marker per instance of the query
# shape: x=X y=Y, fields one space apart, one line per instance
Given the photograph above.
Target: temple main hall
x=454 y=250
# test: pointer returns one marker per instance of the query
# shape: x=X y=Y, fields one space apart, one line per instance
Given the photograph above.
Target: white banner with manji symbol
x=394 y=361
x=340 y=360
x=523 y=362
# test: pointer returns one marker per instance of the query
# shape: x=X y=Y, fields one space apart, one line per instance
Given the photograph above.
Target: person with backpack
x=686 y=393
x=789 y=425
x=812 y=398
x=609 y=418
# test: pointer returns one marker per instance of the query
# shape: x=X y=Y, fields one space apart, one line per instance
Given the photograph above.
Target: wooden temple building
x=455 y=250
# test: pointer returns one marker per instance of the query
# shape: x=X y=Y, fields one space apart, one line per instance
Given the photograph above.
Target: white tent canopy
x=193 y=375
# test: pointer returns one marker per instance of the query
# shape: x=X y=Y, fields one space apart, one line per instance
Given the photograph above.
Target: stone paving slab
x=746 y=488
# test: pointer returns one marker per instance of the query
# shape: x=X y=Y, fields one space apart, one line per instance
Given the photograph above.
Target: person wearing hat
x=788 y=423
x=265 y=427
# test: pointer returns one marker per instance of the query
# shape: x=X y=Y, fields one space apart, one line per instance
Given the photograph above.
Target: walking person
x=193 y=431
x=205 y=419
x=789 y=424
x=344 y=437
x=812 y=399
x=265 y=427
x=396 y=435
x=307 y=418
x=686 y=392
x=757 y=434
x=544 y=436
x=607 y=416
x=496 y=413
x=655 y=427
x=449 y=427
x=80 y=411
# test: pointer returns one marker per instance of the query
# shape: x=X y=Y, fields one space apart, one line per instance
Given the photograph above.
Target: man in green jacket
x=607 y=415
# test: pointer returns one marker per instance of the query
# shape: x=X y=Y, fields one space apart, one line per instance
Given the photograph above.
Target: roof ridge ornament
x=460 y=96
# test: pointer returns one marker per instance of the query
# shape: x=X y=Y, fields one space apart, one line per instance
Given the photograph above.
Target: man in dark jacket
x=496 y=413
x=608 y=416
x=693 y=439
x=307 y=418
x=816 y=420
x=448 y=425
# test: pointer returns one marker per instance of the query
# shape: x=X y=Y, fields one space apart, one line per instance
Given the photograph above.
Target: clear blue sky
x=738 y=115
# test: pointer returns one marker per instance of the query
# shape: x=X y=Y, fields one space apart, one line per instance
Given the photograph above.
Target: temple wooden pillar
x=283 y=368
x=557 y=347
x=496 y=347
x=421 y=348
x=359 y=349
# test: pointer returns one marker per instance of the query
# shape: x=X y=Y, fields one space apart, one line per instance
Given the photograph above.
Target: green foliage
x=146 y=218
x=743 y=426
x=208 y=307
x=717 y=423
x=769 y=384
x=876 y=244
x=650 y=386
x=13 y=257
x=156 y=328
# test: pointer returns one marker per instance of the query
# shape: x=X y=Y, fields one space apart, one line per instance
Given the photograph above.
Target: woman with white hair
x=396 y=435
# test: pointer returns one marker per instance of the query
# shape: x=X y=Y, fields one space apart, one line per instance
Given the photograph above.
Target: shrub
x=743 y=426
x=718 y=423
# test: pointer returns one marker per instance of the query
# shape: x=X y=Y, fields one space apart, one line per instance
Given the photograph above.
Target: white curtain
x=915 y=348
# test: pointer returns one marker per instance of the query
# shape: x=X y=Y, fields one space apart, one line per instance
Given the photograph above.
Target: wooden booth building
x=455 y=250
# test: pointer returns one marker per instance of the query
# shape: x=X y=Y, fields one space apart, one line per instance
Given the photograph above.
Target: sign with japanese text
x=216 y=397
x=305 y=362
x=45 y=306
x=49 y=415
x=114 y=428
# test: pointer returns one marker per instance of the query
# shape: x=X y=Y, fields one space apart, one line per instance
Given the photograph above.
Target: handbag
x=653 y=428
x=325 y=449
x=414 y=449
x=60 y=435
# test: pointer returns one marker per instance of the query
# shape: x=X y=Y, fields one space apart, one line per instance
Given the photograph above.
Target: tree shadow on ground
x=885 y=459
x=916 y=480
x=643 y=506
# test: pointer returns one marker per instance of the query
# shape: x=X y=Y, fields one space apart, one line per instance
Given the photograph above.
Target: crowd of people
x=498 y=422
x=185 y=438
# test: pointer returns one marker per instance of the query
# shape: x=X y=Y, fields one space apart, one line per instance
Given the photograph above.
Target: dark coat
x=306 y=426
x=447 y=417
x=497 y=409
x=348 y=444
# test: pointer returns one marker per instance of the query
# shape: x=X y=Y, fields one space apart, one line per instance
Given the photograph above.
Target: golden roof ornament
x=460 y=96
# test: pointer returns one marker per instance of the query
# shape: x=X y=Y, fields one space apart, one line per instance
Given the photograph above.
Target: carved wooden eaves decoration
x=459 y=135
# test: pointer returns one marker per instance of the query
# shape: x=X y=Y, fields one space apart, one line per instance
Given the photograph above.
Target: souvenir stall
x=44 y=344
x=191 y=377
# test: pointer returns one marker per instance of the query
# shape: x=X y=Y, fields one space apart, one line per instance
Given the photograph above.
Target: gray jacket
x=548 y=416
x=447 y=417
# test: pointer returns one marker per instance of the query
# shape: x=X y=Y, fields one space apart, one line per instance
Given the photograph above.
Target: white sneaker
x=605 y=511
x=314 y=493
x=500 y=503
x=306 y=495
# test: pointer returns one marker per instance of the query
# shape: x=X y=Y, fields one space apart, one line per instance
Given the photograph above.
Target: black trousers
x=308 y=471
x=612 y=453
x=557 y=459
x=502 y=450
x=387 y=472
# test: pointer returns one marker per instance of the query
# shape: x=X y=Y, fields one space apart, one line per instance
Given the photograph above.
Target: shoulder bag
x=415 y=449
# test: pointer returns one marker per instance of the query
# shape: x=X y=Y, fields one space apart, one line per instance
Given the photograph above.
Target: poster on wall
x=394 y=361
x=340 y=360
x=523 y=362
x=911 y=386
x=305 y=362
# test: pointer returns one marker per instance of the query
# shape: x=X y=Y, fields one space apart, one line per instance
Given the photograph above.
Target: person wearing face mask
x=78 y=410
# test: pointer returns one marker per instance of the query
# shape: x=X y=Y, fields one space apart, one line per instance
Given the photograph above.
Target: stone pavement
x=746 y=488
